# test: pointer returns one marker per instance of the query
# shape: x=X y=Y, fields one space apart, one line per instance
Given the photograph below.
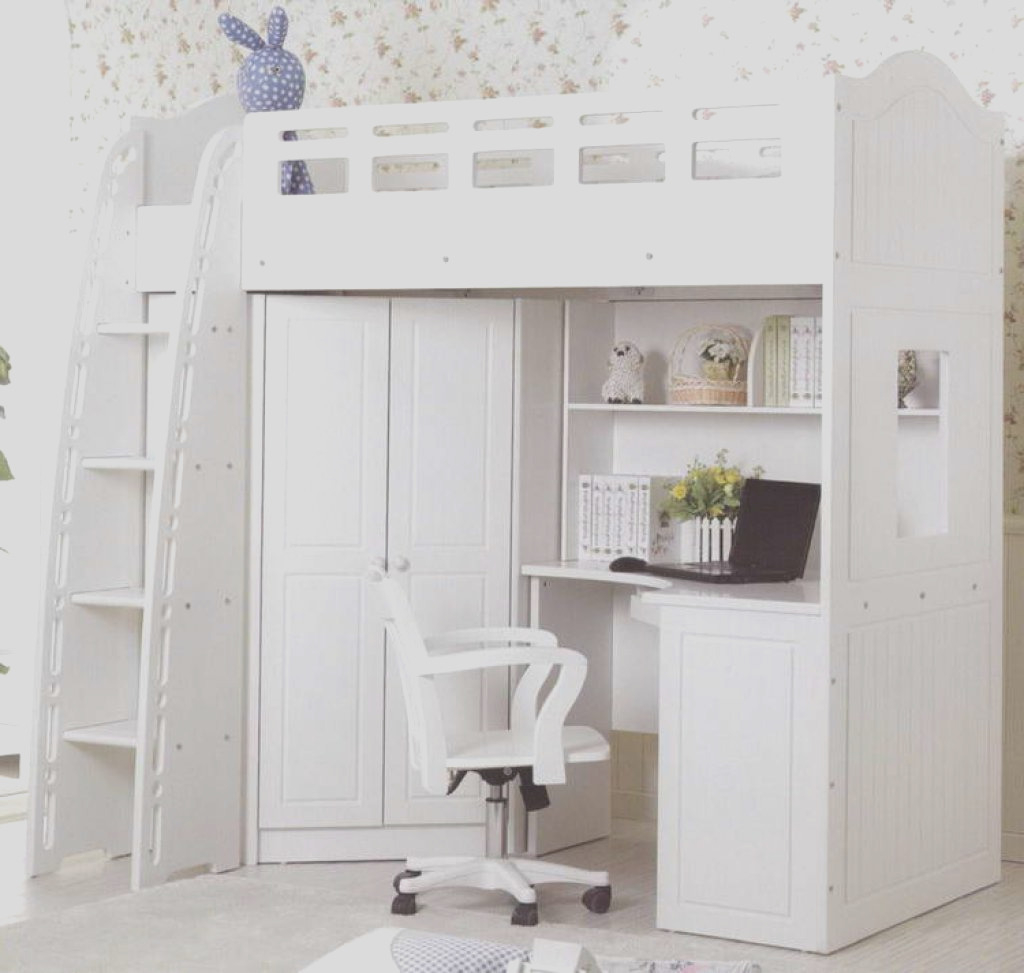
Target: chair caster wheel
x=406 y=874
x=404 y=904
x=525 y=914
x=598 y=898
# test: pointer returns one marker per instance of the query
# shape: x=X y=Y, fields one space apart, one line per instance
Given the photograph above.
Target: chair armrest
x=515 y=655
x=488 y=636
x=547 y=722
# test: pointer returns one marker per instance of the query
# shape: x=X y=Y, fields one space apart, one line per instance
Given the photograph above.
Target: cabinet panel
x=325 y=483
x=450 y=513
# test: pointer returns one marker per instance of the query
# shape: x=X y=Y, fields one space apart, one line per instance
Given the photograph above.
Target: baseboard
x=1013 y=847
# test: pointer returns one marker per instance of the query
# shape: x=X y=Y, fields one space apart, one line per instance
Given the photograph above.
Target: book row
x=620 y=514
x=791 y=361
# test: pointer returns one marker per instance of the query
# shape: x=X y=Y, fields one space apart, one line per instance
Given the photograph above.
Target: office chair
x=535 y=748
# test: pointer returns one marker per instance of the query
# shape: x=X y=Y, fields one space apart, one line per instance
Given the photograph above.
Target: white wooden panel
x=919 y=727
x=735 y=829
x=609 y=234
x=742 y=777
x=537 y=451
x=188 y=771
x=323 y=707
x=876 y=547
x=449 y=514
x=89 y=660
x=1013 y=716
x=580 y=614
x=922 y=186
x=325 y=486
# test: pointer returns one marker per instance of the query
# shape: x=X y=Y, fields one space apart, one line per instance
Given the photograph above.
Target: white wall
x=35 y=325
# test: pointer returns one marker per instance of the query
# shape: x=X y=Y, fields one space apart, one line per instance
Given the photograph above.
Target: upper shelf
x=663 y=407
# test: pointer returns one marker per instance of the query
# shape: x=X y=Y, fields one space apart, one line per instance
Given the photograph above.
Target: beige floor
x=981 y=933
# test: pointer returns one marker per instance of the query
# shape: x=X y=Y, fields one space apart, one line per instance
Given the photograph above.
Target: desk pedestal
x=743 y=775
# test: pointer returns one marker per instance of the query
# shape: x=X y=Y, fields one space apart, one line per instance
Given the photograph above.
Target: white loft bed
x=875 y=202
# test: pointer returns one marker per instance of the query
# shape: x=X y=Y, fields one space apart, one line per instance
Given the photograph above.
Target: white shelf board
x=666 y=407
x=917 y=413
x=122 y=733
x=132 y=463
x=133 y=328
x=592 y=571
x=111 y=597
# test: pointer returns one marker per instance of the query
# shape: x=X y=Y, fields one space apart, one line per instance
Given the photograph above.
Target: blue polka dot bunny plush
x=271 y=79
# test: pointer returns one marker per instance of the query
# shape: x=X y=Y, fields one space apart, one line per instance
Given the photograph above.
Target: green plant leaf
x=5 y=470
x=5 y=367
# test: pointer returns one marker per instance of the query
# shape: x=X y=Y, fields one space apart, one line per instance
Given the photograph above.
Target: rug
x=228 y=924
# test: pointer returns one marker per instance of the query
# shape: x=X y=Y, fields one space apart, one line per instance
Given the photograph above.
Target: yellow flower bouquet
x=708 y=491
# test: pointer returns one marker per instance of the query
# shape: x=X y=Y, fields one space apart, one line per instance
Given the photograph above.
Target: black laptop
x=773 y=536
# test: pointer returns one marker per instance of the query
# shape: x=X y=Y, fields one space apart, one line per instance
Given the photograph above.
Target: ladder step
x=121 y=733
x=133 y=328
x=138 y=463
x=111 y=598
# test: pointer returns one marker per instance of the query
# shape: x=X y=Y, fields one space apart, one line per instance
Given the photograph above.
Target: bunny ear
x=240 y=33
x=277 y=27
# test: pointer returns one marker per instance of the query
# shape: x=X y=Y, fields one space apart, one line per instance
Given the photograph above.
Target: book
x=782 y=355
x=802 y=364
x=769 y=358
x=584 y=514
x=620 y=514
x=816 y=381
x=600 y=543
x=657 y=534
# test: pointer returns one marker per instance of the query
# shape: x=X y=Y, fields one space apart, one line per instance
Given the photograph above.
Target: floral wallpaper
x=161 y=56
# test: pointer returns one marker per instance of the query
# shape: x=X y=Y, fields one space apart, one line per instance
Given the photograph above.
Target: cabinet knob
x=400 y=564
x=378 y=562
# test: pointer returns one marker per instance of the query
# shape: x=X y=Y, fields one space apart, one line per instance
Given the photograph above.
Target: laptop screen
x=775 y=525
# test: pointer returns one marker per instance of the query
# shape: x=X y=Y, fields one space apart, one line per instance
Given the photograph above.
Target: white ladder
x=137 y=738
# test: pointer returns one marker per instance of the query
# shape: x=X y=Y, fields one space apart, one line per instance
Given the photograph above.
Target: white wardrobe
x=388 y=439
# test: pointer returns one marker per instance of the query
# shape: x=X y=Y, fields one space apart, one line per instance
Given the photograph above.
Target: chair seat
x=503 y=748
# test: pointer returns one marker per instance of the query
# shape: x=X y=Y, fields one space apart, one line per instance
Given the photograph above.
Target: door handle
x=400 y=564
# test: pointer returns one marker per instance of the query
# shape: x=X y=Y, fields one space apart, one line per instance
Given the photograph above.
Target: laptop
x=772 y=539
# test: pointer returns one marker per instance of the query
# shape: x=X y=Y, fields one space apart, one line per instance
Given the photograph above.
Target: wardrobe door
x=324 y=516
x=449 y=516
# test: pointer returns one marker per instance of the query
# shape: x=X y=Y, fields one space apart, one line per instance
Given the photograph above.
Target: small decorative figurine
x=906 y=377
x=625 y=381
x=271 y=79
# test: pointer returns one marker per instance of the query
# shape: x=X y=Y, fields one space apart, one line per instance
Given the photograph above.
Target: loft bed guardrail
x=590 y=190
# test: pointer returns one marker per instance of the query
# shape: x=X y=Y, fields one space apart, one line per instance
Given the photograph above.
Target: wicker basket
x=695 y=380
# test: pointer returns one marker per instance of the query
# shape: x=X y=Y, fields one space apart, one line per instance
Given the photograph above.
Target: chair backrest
x=427 y=748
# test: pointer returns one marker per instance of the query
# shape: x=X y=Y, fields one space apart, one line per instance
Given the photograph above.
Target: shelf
x=111 y=598
x=917 y=413
x=132 y=463
x=122 y=734
x=665 y=407
x=142 y=328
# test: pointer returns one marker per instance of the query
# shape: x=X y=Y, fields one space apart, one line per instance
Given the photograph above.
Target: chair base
x=517 y=876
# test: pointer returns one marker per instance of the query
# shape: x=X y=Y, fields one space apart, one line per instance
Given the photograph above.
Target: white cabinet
x=388 y=437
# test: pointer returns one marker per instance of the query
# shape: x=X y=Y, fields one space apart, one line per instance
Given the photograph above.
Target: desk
x=743 y=685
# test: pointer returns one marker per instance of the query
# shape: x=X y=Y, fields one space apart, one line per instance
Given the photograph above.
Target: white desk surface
x=802 y=597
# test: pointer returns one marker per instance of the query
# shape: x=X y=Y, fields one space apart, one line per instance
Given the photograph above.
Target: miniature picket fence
x=706 y=539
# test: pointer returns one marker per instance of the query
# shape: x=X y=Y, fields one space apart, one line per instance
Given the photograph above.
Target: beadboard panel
x=914 y=207
x=918 y=744
x=1013 y=693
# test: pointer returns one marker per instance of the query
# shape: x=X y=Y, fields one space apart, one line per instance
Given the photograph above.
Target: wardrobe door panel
x=324 y=517
x=449 y=517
